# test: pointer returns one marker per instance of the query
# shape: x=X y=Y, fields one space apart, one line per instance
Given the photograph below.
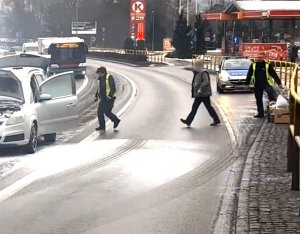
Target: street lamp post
x=76 y=16
x=188 y=13
x=153 y=28
x=179 y=10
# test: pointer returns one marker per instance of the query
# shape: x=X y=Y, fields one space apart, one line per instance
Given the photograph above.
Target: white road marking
x=16 y=187
x=140 y=163
x=85 y=82
x=68 y=156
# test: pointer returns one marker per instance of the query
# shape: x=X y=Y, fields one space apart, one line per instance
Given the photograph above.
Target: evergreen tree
x=181 y=41
x=200 y=27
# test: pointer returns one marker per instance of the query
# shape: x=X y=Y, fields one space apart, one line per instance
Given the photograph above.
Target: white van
x=30 y=48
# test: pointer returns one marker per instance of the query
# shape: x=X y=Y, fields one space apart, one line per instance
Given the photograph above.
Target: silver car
x=34 y=105
x=232 y=74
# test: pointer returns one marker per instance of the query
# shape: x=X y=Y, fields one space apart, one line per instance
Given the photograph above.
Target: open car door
x=57 y=108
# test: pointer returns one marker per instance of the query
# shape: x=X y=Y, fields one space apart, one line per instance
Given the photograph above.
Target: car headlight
x=54 y=66
x=224 y=78
x=16 y=118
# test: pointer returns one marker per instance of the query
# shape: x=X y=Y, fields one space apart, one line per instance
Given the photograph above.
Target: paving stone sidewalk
x=266 y=202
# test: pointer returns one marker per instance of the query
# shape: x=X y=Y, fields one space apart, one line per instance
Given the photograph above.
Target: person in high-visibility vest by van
x=106 y=92
x=264 y=77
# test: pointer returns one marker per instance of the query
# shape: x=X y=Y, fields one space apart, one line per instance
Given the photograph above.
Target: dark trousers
x=105 y=107
x=259 y=91
x=207 y=104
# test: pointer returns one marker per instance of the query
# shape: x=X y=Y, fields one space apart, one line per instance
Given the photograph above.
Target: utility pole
x=188 y=13
x=179 y=9
x=153 y=29
x=76 y=16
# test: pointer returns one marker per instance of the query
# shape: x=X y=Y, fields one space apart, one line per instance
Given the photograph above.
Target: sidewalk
x=266 y=202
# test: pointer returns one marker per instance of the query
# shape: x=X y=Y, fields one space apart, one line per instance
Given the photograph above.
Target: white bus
x=68 y=54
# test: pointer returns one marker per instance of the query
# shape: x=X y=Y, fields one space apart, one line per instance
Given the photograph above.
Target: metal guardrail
x=294 y=129
x=152 y=56
x=289 y=74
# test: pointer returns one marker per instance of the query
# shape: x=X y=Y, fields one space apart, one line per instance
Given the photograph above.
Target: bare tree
x=36 y=18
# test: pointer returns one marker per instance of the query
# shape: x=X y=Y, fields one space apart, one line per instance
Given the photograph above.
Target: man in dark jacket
x=294 y=53
x=106 y=93
x=201 y=91
x=263 y=76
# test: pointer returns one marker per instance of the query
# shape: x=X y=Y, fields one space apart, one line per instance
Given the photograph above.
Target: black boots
x=185 y=122
x=215 y=123
x=116 y=123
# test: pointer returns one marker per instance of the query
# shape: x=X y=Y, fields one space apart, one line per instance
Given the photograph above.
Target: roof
x=21 y=72
x=24 y=60
x=257 y=10
x=262 y=6
x=30 y=44
x=67 y=39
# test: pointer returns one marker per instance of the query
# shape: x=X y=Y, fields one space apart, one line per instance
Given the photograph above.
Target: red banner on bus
x=273 y=51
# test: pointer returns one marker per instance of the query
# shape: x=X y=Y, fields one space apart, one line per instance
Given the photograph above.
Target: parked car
x=32 y=104
x=232 y=74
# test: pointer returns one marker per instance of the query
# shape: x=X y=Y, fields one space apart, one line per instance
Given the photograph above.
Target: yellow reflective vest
x=107 y=86
x=270 y=79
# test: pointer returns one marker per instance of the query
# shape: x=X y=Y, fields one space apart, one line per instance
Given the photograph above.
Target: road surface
x=151 y=175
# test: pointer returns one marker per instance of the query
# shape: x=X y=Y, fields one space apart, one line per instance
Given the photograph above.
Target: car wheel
x=79 y=76
x=50 y=137
x=219 y=90
x=31 y=147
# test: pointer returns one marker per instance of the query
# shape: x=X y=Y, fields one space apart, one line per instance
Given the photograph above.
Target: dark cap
x=101 y=70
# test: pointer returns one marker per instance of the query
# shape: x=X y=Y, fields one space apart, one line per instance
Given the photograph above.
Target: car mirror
x=45 y=97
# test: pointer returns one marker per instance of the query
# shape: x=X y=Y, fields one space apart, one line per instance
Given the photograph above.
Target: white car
x=232 y=74
x=34 y=105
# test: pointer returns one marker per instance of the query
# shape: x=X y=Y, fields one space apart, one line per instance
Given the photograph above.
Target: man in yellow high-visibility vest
x=106 y=92
x=264 y=77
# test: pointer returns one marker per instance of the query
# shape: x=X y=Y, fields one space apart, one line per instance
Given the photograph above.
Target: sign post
x=84 y=27
x=137 y=19
x=93 y=39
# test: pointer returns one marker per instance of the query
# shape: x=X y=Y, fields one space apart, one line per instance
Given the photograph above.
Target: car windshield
x=10 y=88
x=236 y=64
